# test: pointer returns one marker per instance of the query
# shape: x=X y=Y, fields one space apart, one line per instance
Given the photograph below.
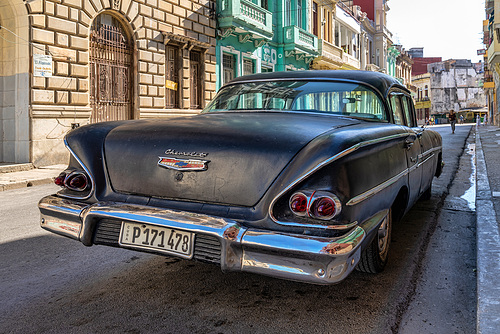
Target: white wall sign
x=42 y=65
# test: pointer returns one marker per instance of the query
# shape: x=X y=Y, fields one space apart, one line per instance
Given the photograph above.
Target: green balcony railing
x=250 y=11
x=247 y=16
x=295 y=37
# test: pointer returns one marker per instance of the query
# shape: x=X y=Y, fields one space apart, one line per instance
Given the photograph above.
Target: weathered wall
x=454 y=85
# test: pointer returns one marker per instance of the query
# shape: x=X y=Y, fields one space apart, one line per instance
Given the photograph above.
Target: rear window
x=334 y=98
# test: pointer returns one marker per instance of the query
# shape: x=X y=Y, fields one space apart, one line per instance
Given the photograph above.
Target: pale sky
x=451 y=29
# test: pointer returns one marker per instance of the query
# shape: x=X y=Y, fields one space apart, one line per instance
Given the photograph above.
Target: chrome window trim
x=321 y=165
x=369 y=193
x=431 y=151
x=425 y=160
x=92 y=182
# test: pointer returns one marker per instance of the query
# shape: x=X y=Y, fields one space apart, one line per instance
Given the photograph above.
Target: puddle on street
x=470 y=194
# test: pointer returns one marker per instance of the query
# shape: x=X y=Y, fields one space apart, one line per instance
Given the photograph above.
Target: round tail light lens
x=60 y=180
x=298 y=204
x=77 y=182
x=323 y=208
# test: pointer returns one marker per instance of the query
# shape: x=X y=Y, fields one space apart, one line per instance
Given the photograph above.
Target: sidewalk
x=15 y=176
x=488 y=236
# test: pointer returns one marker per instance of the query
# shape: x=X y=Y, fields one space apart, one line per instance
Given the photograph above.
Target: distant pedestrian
x=478 y=120
x=453 y=120
x=461 y=119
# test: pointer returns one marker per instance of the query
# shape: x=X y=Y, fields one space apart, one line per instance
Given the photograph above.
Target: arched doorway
x=111 y=56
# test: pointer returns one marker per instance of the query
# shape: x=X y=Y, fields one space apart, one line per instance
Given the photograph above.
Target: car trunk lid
x=243 y=154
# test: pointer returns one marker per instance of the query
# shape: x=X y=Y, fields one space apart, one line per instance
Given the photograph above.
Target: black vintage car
x=296 y=175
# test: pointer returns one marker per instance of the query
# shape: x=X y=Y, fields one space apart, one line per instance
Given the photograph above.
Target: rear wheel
x=374 y=257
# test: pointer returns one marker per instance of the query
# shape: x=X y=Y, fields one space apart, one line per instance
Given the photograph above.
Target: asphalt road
x=51 y=284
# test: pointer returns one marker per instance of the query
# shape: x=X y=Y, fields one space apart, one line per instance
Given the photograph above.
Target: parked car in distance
x=295 y=175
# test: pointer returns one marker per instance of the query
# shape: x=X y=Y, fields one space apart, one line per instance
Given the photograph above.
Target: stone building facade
x=404 y=64
x=66 y=63
x=455 y=86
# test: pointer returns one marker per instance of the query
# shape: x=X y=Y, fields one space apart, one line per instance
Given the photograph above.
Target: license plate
x=157 y=238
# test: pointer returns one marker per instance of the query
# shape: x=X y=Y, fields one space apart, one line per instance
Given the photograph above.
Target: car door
x=404 y=115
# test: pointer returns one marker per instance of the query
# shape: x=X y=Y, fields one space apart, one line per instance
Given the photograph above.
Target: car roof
x=380 y=81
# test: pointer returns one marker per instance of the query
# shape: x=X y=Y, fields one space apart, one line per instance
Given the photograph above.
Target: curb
x=488 y=250
x=9 y=168
x=25 y=184
x=22 y=177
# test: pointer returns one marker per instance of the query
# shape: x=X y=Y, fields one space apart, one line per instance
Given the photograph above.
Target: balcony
x=494 y=52
x=372 y=67
x=423 y=104
x=489 y=84
x=329 y=54
x=350 y=62
x=244 y=18
x=383 y=29
x=299 y=42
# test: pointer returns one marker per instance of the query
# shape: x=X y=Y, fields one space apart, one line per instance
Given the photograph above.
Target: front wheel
x=374 y=257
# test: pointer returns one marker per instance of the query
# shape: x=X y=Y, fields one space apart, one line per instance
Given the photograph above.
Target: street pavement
x=487 y=158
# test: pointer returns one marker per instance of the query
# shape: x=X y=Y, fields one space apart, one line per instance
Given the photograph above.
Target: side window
x=408 y=111
x=397 y=110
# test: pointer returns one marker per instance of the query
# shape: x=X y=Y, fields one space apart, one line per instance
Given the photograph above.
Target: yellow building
x=422 y=85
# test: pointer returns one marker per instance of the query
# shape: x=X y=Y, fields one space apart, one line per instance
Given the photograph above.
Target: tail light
x=60 y=179
x=315 y=204
x=76 y=181
x=298 y=204
x=323 y=208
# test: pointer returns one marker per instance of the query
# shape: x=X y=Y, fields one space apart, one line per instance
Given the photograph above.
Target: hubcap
x=383 y=236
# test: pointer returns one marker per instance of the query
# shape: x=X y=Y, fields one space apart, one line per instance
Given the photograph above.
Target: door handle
x=409 y=143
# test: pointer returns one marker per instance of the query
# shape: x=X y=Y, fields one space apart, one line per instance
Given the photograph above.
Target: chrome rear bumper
x=296 y=257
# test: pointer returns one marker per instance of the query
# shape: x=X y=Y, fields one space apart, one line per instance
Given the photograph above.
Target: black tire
x=374 y=257
x=439 y=167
